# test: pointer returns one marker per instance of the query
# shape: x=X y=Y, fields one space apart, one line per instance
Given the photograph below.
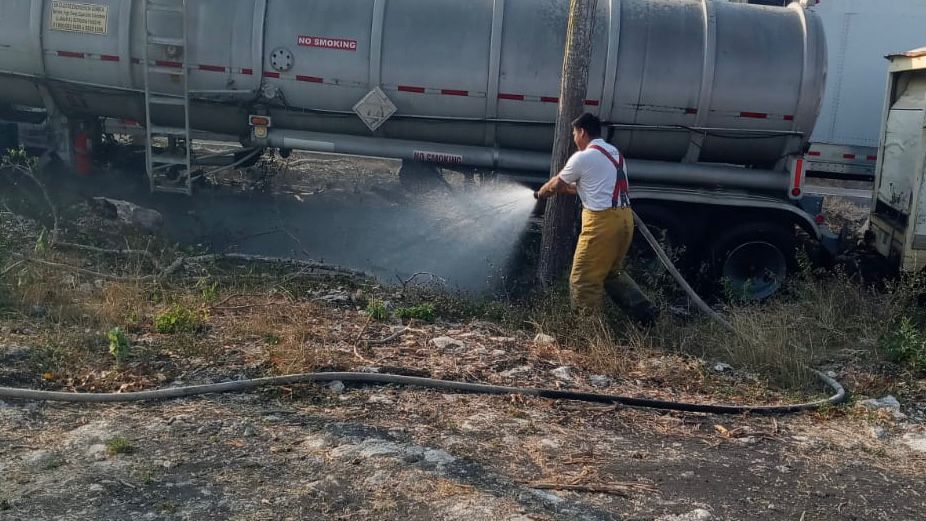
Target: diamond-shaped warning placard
x=375 y=108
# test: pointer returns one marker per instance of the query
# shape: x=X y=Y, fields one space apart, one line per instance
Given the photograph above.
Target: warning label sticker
x=328 y=43
x=79 y=18
x=437 y=157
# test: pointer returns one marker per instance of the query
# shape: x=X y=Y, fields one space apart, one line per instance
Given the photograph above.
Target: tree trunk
x=560 y=220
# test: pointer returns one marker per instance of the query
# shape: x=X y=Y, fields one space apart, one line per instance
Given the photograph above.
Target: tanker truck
x=712 y=102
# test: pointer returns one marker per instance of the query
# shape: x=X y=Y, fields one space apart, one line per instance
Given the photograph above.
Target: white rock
x=91 y=434
x=562 y=373
x=499 y=352
x=438 y=457
x=336 y=386
x=549 y=443
x=129 y=213
x=315 y=442
x=367 y=449
x=378 y=479
x=516 y=371
x=600 y=380
x=888 y=402
x=380 y=398
x=96 y=487
x=721 y=367
x=915 y=440
x=96 y=452
x=879 y=433
x=695 y=515
x=443 y=342
x=544 y=339
x=549 y=497
x=41 y=460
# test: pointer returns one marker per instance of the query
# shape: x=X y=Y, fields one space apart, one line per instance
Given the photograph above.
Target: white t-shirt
x=594 y=175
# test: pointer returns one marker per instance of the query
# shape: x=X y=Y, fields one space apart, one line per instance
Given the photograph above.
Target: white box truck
x=859 y=34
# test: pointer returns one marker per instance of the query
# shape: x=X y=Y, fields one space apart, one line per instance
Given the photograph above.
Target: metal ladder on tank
x=169 y=171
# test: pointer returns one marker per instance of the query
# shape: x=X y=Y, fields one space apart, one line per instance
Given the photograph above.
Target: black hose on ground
x=446 y=385
x=412 y=381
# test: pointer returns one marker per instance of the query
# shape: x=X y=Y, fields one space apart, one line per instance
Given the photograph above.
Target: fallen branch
x=229 y=298
x=616 y=489
x=141 y=253
x=12 y=267
x=414 y=276
x=356 y=346
x=247 y=306
x=91 y=273
x=306 y=265
x=183 y=261
x=389 y=338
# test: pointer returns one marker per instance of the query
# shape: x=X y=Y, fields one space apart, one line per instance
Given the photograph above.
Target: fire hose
x=839 y=397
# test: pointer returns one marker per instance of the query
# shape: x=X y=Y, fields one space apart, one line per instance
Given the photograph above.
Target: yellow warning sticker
x=79 y=18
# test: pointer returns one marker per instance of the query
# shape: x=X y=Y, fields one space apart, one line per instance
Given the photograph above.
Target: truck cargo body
x=898 y=217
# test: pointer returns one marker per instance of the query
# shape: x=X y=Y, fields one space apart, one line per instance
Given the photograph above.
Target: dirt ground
x=373 y=453
x=389 y=453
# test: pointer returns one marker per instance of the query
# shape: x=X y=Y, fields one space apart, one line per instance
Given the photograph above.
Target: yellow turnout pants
x=599 y=258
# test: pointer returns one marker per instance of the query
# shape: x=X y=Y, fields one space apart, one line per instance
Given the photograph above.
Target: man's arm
x=565 y=182
x=555 y=186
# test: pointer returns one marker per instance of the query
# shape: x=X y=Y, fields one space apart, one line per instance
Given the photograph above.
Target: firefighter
x=598 y=175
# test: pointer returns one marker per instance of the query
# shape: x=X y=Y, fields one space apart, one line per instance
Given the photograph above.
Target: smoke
x=465 y=236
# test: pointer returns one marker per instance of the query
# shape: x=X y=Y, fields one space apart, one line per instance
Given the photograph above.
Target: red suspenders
x=621 y=196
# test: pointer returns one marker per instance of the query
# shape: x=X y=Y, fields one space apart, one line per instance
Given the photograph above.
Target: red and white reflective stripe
x=304 y=78
x=460 y=93
x=540 y=99
x=504 y=96
x=204 y=67
x=85 y=56
x=765 y=115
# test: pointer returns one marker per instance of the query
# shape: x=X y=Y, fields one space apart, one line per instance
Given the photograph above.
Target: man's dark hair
x=589 y=123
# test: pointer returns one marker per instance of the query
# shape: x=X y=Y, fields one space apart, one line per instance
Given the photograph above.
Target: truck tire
x=751 y=260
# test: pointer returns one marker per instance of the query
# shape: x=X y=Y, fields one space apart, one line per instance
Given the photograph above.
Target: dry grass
x=296 y=336
x=823 y=320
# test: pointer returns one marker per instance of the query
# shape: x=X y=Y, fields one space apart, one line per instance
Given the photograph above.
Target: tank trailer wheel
x=753 y=260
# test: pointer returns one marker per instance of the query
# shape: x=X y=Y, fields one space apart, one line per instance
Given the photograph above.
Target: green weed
x=208 y=290
x=424 y=312
x=906 y=345
x=117 y=446
x=377 y=310
x=118 y=344
x=178 y=319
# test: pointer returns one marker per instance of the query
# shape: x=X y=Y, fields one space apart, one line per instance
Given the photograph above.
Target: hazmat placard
x=79 y=18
